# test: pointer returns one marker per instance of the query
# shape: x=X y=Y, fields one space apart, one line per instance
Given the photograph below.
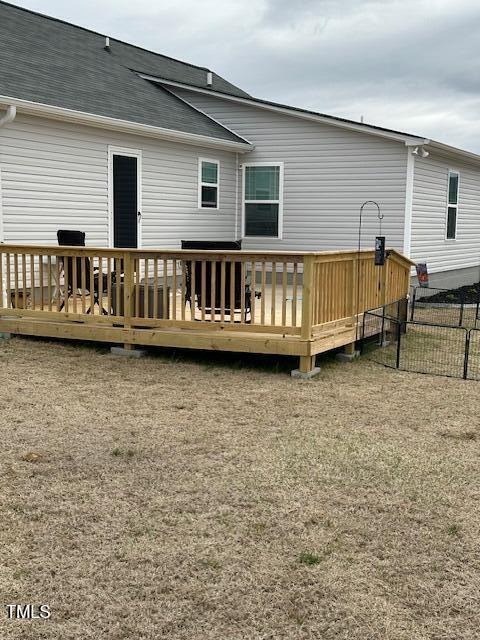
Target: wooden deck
x=284 y=303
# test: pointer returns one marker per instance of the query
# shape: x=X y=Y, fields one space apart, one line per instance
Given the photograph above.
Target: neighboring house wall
x=329 y=172
x=450 y=262
x=55 y=175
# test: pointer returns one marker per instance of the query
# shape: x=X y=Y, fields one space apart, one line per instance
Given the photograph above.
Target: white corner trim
x=3 y=301
x=116 y=124
x=237 y=186
x=2 y=230
x=407 y=229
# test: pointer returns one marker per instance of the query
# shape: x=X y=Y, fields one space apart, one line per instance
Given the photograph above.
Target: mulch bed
x=468 y=294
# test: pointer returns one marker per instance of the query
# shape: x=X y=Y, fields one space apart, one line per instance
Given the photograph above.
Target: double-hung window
x=452 y=205
x=208 y=183
x=263 y=195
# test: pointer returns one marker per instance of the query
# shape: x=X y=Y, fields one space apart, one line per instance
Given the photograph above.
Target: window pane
x=210 y=172
x=453 y=188
x=209 y=196
x=451 y=222
x=262 y=183
x=261 y=220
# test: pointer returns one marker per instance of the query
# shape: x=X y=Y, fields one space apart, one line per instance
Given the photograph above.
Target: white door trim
x=130 y=153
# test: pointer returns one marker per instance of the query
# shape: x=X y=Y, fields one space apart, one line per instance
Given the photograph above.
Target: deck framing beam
x=189 y=339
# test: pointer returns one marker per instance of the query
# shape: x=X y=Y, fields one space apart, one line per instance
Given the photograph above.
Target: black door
x=125 y=204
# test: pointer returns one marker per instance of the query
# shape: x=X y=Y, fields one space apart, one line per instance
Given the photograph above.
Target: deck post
x=128 y=288
x=350 y=348
x=128 y=349
x=349 y=353
x=307 y=363
x=307 y=297
x=351 y=288
x=383 y=283
x=307 y=368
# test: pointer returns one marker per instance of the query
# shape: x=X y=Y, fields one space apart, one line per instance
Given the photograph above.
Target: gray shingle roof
x=52 y=62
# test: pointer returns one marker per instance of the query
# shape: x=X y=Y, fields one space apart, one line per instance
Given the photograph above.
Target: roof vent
x=209 y=78
x=107 y=43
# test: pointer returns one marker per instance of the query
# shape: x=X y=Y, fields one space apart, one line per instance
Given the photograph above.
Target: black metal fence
x=457 y=307
x=391 y=339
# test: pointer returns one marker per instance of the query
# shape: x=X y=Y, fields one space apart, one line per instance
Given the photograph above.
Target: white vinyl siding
x=430 y=210
x=328 y=173
x=55 y=175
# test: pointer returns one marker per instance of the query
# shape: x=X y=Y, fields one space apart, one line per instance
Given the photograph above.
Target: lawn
x=176 y=497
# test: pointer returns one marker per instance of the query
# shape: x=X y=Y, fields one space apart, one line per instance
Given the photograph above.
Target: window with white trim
x=452 y=205
x=263 y=187
x=208 y=183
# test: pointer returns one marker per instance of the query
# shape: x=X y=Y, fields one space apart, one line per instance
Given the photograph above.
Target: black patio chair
x=195 y=298
x=99 y=286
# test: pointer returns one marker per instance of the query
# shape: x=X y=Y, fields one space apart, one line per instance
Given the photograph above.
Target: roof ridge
x=103 y=35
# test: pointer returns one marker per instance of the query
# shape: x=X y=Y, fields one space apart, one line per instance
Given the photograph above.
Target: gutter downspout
x=407 y=230
x=412 y=153
x=6 y=119
x=9 y=116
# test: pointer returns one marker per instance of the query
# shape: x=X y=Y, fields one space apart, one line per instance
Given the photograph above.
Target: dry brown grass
x=177 y=499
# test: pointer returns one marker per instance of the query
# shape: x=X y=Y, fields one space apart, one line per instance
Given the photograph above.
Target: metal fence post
x=382 y=337
x=467 y=354
x=363 y=334
x=399 y=339
x=462 y=302
x=414 y=297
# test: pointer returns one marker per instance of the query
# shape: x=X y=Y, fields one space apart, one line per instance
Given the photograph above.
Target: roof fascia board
x=447 y=149
x=417 y=142
x=91 y=119
x=361 y=128
x=410 y=141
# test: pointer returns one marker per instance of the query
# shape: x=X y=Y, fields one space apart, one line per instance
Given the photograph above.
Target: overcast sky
x=412 y=65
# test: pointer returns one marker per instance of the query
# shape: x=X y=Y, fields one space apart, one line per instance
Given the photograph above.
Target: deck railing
x=346 y=284
x=284 y=293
